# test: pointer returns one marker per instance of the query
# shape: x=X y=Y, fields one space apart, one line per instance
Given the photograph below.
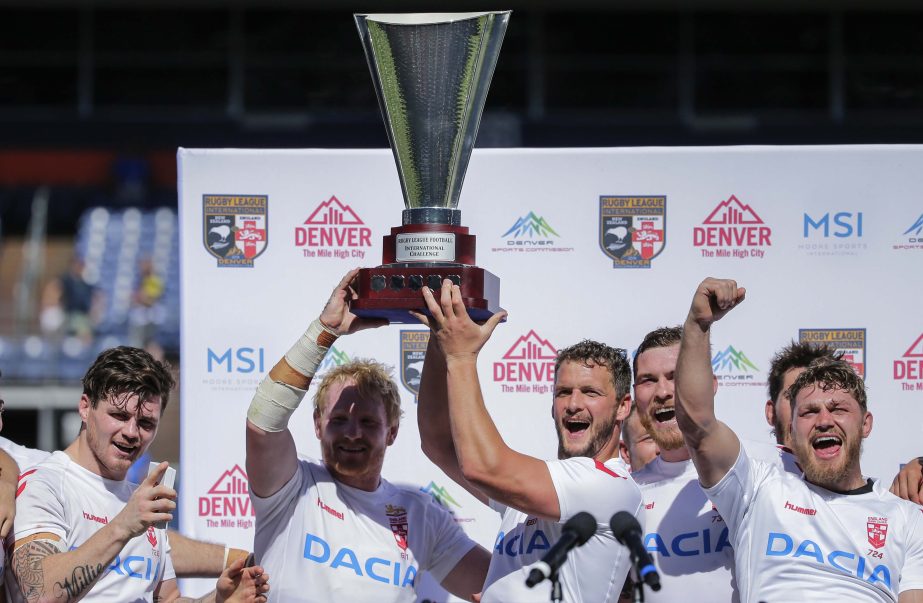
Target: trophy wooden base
x=389 y=291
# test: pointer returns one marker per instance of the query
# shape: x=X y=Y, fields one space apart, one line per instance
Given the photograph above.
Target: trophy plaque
x=431 y=73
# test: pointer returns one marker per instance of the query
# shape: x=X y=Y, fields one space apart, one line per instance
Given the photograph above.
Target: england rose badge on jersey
x=877 y=528
x=397 y=516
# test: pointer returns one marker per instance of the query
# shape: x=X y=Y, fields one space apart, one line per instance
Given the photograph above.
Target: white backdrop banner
x=605 y=244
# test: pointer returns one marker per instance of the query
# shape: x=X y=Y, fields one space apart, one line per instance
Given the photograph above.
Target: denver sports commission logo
x=235 y=228
x=732 y=367
x=912 y=238
x=333 y=230
x=529 y=234
x=632 y=229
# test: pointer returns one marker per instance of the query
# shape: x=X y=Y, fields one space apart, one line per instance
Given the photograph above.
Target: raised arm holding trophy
x=431 y=73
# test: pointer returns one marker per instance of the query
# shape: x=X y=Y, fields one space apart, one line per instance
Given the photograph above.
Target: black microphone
x=576 y=531
x=627 y=531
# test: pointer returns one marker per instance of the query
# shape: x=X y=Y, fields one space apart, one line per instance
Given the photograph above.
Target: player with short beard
x=534 y=497
x=786 y=365
x=833 y=531
x=637 y=447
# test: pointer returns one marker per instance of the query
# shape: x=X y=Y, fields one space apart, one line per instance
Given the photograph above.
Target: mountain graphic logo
x=333 y=359
x=733 y=211
x=232 y=481
x=731 y=360
x=916 y=348
x=531 y=347
x=333 y=213
x=532 y=226
x=440 y=494
x=917 y=227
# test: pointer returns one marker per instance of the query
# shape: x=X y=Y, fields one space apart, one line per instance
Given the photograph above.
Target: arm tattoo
x=27 y=567
x=79 y=583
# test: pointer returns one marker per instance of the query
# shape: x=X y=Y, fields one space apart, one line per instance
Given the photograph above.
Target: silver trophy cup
x=431 y=73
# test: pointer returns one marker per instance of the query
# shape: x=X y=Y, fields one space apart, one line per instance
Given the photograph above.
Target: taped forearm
x=275 y=401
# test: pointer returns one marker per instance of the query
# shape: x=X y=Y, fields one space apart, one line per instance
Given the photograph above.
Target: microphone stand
x=637 y=591
x=556 y=595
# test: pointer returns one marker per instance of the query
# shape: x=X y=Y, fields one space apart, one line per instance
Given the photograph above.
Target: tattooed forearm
x=27 y=567
x=80 y=581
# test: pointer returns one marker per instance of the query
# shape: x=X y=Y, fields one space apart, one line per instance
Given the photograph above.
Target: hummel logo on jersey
x=91 y=517
x=330 y=510
x=802 y=510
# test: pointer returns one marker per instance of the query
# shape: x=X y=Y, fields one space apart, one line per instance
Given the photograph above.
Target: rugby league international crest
x=877 y=528
x=632 y=229
x=235 y=228
x=397 y=517
x=413 y=351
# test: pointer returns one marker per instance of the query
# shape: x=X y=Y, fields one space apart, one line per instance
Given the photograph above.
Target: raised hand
x=458 y=336
x=713 y=299
x=148 y=504
x=336 y=315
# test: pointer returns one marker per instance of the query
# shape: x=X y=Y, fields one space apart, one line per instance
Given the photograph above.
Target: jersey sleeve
x=168 y=572
x=734 y=493
x=39 y=507
x=912 y=570
x=448 y=544
x=271 y=510
x=601 y=489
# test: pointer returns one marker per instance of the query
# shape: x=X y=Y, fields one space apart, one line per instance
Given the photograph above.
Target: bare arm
x=237 y=584
x=468 y=575
x=197 y=559
x=9 y=476
x=271 y=455
x=433 y=419
x=910 y=596
x=501 y=473
x=46 y=575
x=713 y=445
x=908 y=483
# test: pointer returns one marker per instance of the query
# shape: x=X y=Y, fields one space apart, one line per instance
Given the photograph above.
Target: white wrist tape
x=309 y=351
x=273 y=404
x=227 y=550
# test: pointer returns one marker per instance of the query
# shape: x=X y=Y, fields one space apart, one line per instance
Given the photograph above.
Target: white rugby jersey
x=686 y=535
x=794 y=541
x=594 y=572
x=61 y=497
x=24 y=457
x=320 y=540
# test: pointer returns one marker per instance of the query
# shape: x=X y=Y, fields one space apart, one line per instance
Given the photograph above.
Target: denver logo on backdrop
x=632 y=230
x=333 y=230
x=851 y=342
x=732 y=229
x=235 y=228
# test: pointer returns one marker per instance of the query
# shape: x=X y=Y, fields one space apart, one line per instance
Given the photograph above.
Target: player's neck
x=676 y=455
x=852 y=480
x=79 y=451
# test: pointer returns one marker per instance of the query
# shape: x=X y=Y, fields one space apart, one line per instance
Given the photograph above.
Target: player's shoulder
x=911 y=510
x=49 y=474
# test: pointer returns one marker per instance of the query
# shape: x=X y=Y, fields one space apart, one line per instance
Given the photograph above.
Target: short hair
x=371 y=378
x=662 y=337
x=797 y=354
x=125 y=370
x=831 y=373
x=589 y=352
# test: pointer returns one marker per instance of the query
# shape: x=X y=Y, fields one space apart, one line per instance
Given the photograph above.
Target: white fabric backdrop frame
x=558 y=285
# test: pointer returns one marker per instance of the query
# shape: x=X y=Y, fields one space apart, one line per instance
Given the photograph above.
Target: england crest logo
x=877 y=528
